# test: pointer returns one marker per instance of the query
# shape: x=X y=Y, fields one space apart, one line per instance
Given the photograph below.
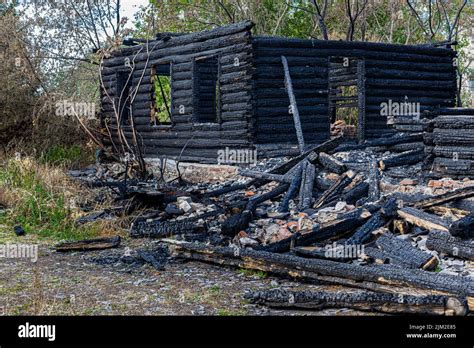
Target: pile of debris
x=358 y=215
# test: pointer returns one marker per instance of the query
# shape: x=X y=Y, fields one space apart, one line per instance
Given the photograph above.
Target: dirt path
x=94 y=283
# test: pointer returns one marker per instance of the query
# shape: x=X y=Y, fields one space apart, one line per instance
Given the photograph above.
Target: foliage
x=63 y=155
x=40 y=199
x=162 y=86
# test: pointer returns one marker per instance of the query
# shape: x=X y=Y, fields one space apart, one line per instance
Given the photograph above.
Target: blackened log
x=462 y=152
x=150 y=257
x=240 y=221
x=292 y=190
x=463 y=228
x=421 y=219
x=405 y=158
x=307 y=186
x=405 y=147
x=89 y=244
x=227 y=189
x=454 y=166
x=342 y=182
x=161 y=229
x=316 y=269
x=360 y=300
x=462 y=193
x=443 y=242
x=376 y=255
x=377 y=220
x=338 y=252
x=357 y=192
x=332 y=164
x=419 y=51
x=374 y=181
x=263 y=175
x=454 y=122
x=404 y=253
x=294 y=106
x=391 y=141
x=327 y=146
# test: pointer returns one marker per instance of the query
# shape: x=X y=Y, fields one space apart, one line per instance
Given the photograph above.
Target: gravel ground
x=85 y=284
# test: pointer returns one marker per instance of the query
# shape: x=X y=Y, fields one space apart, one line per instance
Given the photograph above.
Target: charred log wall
x=231 y=48
x=416 y=74
x=253 y=103
x=452 y=143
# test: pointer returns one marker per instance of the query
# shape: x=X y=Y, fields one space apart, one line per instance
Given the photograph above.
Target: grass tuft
x=40 y=198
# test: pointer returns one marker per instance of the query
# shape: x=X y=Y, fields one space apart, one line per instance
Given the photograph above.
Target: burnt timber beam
x=360 y=300
x=317 y=269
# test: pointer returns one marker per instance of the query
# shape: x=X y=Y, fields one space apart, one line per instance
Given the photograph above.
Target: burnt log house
x=227 y=89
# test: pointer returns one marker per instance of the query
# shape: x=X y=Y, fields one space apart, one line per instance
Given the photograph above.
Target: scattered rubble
x=301 y=216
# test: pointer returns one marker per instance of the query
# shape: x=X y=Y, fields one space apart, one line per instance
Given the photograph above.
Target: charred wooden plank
x=307 y=186
x=263 y=175
x=374 y=182
x=391 y=141
x=405 y=158
x=463 y=228
x=228 y=188
x=331 y=163
x=294 y=266
x=89 y=244
x=377 y=220
x=338 y=252
x=360 y=300
x=240 y=221
x=160 y=229
x=342 y=182
x=292 y=190
x=462 y=193
x=404 y=253
x=443 y=242
x=357 y=192
x=454 y=166
x=294 y=106
x=421 y=219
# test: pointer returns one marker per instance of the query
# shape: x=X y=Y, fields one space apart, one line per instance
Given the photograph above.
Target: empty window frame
x=207 y=90
x=122 y=96
x=161 y=94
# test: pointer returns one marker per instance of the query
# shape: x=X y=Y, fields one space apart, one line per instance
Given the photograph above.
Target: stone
x=277 y=215
x=246 y=241
x=260 y=213
x=172 y=209
x=185 y=206
x=184 y=199
x=304 y=223
x=340 y=206
x=19 y=231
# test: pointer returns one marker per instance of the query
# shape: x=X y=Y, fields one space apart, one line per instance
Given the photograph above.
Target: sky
x=130 y=7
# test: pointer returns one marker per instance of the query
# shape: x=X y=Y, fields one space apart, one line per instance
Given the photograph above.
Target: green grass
x=39 y=209
x=228 y=312
x=252 y=273
x=63 y=155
